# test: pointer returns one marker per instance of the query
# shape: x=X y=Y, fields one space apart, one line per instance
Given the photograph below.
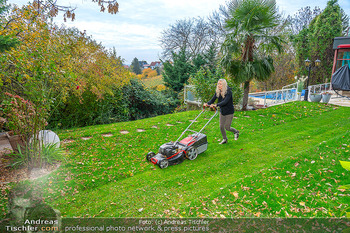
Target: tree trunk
x=245 y=95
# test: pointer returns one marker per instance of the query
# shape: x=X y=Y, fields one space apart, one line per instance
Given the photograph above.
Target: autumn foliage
x=148 y=73
x=53 y=65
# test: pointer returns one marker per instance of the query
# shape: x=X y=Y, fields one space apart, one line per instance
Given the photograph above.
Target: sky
x=136 y=29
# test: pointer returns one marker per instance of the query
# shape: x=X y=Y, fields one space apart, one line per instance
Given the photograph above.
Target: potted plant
x=326 y=96
x=315 y=97
x=300 y=89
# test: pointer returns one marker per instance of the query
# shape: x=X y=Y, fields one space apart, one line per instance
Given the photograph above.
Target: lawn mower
x=173 y=153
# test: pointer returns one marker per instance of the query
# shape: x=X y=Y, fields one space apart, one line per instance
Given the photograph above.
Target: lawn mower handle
x=187 y=129
x=208 y=106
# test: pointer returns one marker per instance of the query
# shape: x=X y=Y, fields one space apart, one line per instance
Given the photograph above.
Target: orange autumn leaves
x=59 y=61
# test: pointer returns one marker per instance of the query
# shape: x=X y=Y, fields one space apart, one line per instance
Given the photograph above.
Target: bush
x=22 y=116
x=89 y=110
x=205 y=82
x=131 y=102
x=143 y=103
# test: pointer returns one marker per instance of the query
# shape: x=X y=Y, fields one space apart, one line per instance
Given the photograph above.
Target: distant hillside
x=154 y=81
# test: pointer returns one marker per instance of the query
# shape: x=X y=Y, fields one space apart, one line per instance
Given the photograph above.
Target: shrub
x=26 y=120
x=22 y=116
x=89 y=110
x=131 y=102
x=205 y=82
x=142 y=103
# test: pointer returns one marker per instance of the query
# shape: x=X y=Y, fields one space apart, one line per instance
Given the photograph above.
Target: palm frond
x=252 y=15
x=252 y=36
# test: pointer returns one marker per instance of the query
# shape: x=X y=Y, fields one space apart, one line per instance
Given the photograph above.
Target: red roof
x=343 y=46
x=154 y=63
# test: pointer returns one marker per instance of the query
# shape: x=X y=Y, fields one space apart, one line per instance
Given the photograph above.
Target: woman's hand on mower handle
x=210 y=106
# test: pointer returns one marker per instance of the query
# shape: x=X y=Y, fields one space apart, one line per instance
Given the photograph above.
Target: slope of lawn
x=285 y=164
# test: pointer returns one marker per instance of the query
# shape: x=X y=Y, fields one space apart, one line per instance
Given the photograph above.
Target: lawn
x=285 y=164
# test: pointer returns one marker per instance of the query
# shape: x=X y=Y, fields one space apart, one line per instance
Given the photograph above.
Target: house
x=155 y=64
x=142 y=64
x=146 y=66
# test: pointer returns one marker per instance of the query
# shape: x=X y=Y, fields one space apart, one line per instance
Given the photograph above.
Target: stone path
x=107 y=135
x=5 y=147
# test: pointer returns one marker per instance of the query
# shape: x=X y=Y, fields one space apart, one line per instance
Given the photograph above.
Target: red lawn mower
x=173 y=153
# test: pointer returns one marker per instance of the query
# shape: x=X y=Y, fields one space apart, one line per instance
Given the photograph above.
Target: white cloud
x=136 y=29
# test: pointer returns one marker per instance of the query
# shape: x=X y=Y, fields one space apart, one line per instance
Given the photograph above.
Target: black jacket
x=225 y=104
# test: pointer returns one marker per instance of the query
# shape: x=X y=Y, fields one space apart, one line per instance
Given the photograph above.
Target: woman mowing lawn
x=224 y=95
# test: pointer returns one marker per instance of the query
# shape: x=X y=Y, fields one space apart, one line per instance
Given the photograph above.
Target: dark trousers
x=225 y=124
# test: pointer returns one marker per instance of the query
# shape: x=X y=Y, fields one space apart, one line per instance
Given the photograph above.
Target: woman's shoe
x=223 y=141
x=236 y=135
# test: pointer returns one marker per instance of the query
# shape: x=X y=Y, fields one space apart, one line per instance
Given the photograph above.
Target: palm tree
x=252 y=33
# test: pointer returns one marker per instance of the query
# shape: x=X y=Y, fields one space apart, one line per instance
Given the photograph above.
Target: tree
x=135 y=66
x=323 y=29
x=53 y=64
x=315 y=41
x=149 y=73
x=51 y=8
x=284 y=66
x=205 y=80
x=302 y=19
x=177 y=72
x=249 y=39
x=195 y=35
x=6 y=41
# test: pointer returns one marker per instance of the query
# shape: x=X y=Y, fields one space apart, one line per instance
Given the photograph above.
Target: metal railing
x=319 y=88
x=190 y=97
x=293 y=85
x=269 y=98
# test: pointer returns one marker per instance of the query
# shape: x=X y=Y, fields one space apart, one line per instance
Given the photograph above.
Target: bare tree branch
x=52 y=8
x=193 y=35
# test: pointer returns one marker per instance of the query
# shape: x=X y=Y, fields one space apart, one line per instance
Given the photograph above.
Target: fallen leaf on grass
x=214 y=201
x=235 y=194
x=257 y=214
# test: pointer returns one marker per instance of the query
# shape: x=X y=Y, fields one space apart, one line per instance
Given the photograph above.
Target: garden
x=286 y=163
x=290 y=161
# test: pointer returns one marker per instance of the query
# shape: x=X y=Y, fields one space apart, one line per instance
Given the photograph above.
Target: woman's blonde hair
x=223 y=90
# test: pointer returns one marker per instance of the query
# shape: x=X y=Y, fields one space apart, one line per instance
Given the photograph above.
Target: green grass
x=285 y=164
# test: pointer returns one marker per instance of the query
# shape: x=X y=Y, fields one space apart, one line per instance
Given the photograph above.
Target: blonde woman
x=225 y=102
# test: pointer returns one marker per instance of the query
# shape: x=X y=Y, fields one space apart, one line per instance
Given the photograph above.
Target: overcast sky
x=136 y=29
